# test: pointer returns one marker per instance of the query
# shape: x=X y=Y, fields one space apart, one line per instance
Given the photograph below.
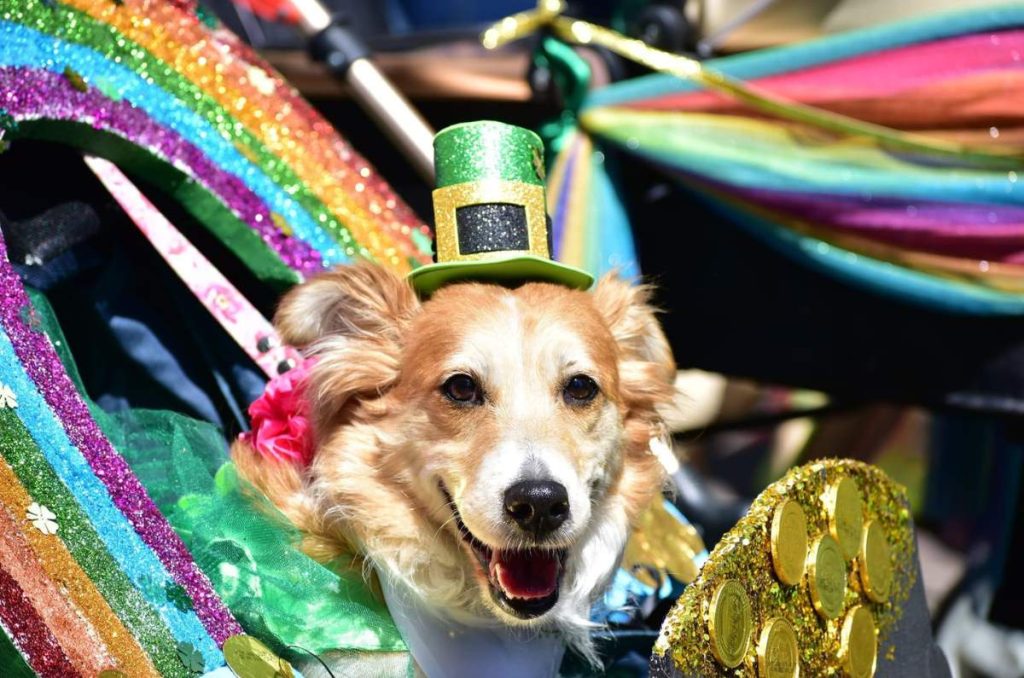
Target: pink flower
x=281 y=428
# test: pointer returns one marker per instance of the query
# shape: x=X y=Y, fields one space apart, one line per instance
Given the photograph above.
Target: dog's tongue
x=525 y=574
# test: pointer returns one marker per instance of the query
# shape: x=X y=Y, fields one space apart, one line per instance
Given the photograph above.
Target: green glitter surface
x=744 y=554
x=475 y=151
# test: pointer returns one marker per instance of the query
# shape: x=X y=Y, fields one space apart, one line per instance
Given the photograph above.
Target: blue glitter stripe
x=22 y=46
x=141 y=565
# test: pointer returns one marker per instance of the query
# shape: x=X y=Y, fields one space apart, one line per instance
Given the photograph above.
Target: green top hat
x=490 y=221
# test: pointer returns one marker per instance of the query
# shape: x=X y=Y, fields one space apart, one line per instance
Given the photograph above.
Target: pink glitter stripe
x=29 y=633
x=45 y=369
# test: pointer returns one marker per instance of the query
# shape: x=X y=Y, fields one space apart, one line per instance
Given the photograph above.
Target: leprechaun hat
x=490 y=220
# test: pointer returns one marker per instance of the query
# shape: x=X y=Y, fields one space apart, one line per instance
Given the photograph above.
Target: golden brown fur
x=386 y=437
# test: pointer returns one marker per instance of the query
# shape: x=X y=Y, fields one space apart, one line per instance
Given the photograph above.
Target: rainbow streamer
x=163 y=91
x=942 y=230
x=85 y=555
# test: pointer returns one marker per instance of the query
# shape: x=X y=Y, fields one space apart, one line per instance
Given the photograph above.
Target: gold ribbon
x=549 y=15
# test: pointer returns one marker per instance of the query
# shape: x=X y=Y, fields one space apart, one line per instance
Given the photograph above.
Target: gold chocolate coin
x=858 y=646
x=789 y=542
x=876 y=563
x=110 y=673
x=730 y=622
x=826 y=574
x=845 y=520
x=249 y=658
x=777 y=653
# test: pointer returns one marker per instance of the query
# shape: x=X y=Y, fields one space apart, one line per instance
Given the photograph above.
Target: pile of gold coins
x=796 y=588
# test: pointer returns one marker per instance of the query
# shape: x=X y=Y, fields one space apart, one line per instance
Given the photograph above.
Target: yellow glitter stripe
x=60 y=566
x=575 y=225
x=263 y=109
x=69 y=626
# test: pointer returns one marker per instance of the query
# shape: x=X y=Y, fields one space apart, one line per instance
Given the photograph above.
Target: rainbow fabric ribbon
x=91 y=575
x=888 y=157
x=163 y=91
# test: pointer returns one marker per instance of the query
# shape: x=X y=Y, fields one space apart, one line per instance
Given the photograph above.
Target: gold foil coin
x=876 y=563
x=777 y=654
x=845 y=520
x=858 y=646
x=826 y=574
x=789 y=542
x=730 y=623
x=249 y=658
x=110 y=673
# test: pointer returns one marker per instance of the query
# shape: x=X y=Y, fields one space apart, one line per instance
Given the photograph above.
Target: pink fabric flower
x=281 y=428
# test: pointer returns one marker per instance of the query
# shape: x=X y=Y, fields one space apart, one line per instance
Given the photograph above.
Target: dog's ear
x=631 y=318
x=647 y=374
x=353 y=321
x=362 y=300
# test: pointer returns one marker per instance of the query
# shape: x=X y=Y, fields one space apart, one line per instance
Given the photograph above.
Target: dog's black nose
x=537 y=506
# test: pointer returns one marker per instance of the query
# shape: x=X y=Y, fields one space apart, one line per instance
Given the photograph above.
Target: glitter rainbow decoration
x=92 y=577
x=172 y=98
x=941 y=229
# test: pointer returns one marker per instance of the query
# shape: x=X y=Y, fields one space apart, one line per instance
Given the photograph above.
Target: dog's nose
x=537 y=506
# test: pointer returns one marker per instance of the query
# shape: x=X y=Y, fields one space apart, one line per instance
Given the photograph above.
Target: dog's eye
x=579 y=390
x=462 y=389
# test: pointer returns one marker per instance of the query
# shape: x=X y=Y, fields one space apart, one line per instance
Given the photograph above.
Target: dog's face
x=488 y=446
x=521 y=430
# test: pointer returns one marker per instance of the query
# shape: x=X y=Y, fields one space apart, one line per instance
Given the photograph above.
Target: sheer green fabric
x=292 y=603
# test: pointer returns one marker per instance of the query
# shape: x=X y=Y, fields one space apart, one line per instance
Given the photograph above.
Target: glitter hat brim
x=518 y=268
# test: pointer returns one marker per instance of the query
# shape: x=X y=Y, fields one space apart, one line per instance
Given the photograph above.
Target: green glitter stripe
x=85 y=546
x=488 y=150
x=75 y=26
x=11 y=661
x=206 y=207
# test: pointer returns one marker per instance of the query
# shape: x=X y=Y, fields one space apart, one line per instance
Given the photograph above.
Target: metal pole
x=347 y=56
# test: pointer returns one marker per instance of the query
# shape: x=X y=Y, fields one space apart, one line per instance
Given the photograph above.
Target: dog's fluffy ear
x=647 y=375
x=362 y=300
x=353 y=320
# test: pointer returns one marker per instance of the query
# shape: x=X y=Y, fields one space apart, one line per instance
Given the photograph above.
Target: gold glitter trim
x=744 y=555
x=59 y=565
x=450 y=198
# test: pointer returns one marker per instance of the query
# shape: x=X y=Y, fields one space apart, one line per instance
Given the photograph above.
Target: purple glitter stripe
x=40 y=94
x=45 y=369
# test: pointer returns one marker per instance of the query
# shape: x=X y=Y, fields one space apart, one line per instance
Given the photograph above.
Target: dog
x=487 y=447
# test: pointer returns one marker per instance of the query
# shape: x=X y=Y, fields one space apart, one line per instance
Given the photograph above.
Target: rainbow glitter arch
x=184 y=105
x=943 y=231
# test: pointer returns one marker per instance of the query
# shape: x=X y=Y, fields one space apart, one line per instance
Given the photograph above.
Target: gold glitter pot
x=730 y=623
x=778 y=655
x=846 y=521
x=789 y=542
x=858 y=646
x=876 y=563
x=826 y=574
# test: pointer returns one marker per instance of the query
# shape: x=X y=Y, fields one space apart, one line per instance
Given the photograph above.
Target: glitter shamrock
x=190 y=657
x=42 y=518
x=8 y=398
x=177 y=595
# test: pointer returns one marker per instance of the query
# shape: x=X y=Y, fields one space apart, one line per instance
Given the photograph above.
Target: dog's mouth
x=523 y=582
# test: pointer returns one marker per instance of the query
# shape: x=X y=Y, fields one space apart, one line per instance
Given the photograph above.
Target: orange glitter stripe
x=60 y=566
x=317 y=157
x=68 y=625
